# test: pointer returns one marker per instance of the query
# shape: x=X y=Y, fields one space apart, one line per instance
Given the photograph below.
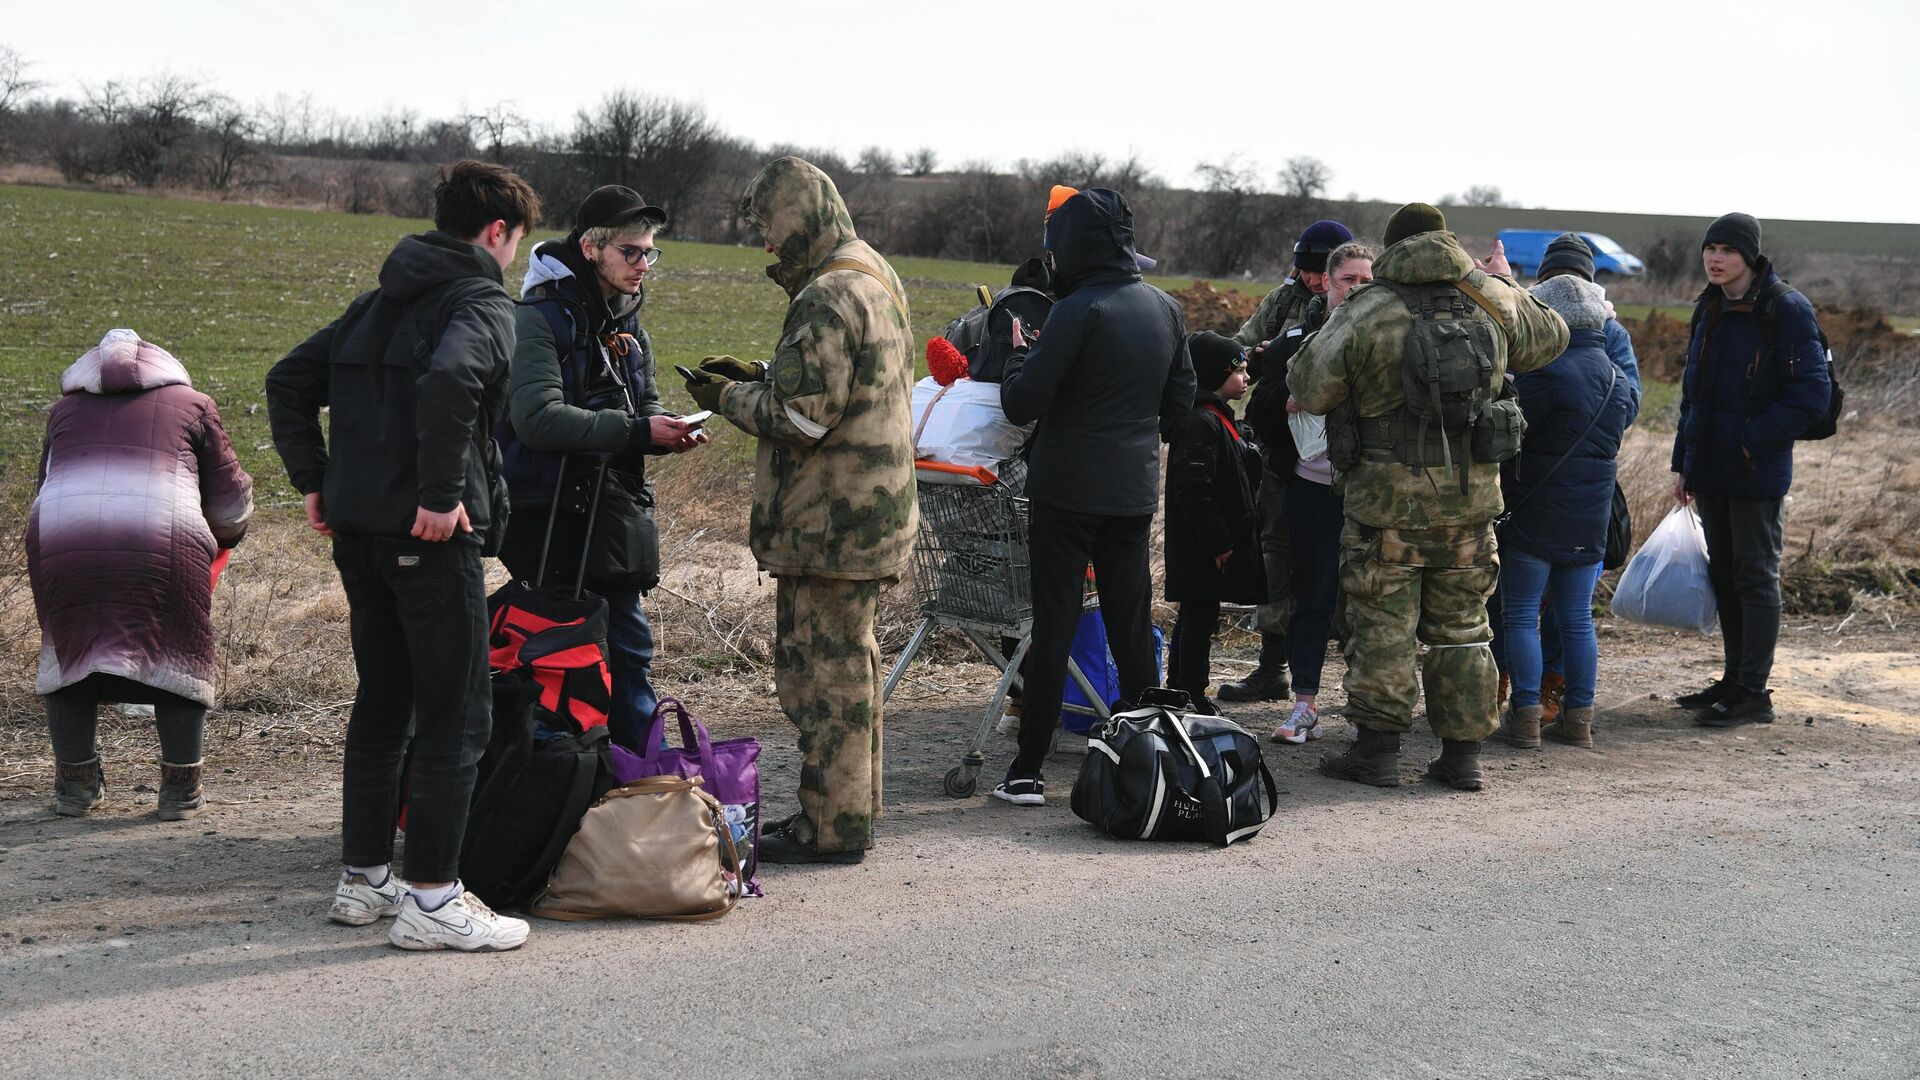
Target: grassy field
x=229 y=289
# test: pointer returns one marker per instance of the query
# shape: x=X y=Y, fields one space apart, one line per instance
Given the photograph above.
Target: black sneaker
x=1741 y=706
x=1708 y=698
x=1022 y=791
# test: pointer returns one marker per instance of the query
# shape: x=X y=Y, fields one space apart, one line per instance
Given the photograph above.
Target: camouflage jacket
x=1278 y=310
x=833 y=487
x=1355 y=361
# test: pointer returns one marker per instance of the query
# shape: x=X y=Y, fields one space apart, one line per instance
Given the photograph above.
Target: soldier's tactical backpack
x=984 y=335
x=1161 y=773
x=1456 y=410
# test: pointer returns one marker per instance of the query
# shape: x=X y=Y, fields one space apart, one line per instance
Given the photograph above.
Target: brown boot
x=1373 y=758
x=1553 y=686
x=78 y=786
x=1458 y=765
x=1575 y=728
x=180 y=794
x=1520 y=727
x=1500 y=697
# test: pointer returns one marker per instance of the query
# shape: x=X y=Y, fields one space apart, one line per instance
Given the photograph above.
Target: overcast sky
x=1791 y=110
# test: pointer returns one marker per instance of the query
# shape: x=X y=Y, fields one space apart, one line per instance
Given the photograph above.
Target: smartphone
x=696 y=419
x=689 y=374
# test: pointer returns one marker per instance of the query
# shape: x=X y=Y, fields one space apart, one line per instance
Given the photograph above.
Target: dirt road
x=1679 y=903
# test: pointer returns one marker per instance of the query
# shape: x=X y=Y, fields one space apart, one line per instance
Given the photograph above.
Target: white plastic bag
x=964 y=425
x=1666 y=582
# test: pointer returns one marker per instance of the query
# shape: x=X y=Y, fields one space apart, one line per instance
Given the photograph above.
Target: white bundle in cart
x=1666 y=583
x=963 y=424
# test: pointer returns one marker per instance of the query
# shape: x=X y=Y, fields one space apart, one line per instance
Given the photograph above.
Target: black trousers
x=1062 y=542
x=73 y=718
x=1190 y=650
x=1744 y=538
x=418 y=613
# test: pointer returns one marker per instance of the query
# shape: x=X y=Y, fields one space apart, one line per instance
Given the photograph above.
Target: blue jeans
x=1524 y=581
x=630 y=663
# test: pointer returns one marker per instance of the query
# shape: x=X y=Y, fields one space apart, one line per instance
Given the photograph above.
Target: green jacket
x=1354 y=360
x=1278 y=311
x=833 y=486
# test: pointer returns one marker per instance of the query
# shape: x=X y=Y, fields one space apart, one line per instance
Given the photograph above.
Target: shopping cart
x=970 y=573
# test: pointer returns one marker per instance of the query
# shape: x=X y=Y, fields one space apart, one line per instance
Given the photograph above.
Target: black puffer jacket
x=1212 y=472
x=1110 y=371
x=414 y=375
x=1267 y=408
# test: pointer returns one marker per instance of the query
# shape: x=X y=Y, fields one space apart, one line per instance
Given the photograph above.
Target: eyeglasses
x=635 y=255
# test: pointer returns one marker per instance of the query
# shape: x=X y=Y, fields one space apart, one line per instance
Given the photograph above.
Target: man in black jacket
x=1110 y=374
x=407 y=483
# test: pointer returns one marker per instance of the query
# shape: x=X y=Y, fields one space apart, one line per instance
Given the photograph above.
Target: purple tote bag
x=729 y=770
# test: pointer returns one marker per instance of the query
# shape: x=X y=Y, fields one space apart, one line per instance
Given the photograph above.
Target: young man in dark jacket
x=583 y=394
x=1750 y=389
x=407 y=483
x=1212 y=550
x=1109 y=374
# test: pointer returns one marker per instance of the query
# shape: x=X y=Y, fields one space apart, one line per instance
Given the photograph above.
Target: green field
x=229 y=289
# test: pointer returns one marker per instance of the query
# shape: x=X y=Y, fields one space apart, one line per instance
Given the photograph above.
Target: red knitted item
x=944 y=362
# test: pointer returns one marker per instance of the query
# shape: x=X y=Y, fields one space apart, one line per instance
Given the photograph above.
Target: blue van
x=1526 y=247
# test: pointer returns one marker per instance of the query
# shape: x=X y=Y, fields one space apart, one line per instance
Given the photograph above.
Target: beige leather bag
x=654 y=849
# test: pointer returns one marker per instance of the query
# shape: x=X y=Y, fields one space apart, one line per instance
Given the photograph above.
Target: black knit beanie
x=1567 y=252
x=1412 y=220
x=1214 y=356
x=1741 y=232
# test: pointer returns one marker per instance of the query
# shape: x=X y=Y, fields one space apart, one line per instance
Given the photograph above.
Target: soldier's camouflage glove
x=738 y=370
x=707 y=391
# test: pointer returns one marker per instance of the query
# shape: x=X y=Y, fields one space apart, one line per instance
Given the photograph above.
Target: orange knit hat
x=1060 y=193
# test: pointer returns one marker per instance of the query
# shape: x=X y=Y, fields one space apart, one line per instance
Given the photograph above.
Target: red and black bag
x=558 y=636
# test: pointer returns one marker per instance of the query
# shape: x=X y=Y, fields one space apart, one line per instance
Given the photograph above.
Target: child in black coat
x=1212 y=526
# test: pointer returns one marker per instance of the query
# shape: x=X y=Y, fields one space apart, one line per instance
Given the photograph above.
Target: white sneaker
x=358 y=902
x=464 y=922
x=1301 y=724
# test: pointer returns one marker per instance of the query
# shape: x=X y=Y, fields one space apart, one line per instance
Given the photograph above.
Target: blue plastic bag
x=1090 y=651
x=1666 y=583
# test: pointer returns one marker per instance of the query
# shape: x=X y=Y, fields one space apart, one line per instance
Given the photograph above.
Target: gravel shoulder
x=1678 y=903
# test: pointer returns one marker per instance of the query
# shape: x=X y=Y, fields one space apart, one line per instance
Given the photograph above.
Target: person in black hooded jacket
x=1108 y=375
x=407 y=483
x=1213 y=528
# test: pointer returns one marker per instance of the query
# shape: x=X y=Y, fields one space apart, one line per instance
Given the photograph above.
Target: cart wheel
x=959 y=782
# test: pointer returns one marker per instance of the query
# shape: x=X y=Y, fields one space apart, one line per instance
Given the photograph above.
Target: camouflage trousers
x=826 y=666
x=1408 y=587
x=1276 y=552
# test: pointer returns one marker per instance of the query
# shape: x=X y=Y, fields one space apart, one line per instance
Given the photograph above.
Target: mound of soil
x=1220 y=310
x=1862 y=339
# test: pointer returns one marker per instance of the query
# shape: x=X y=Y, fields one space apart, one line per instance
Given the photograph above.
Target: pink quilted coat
x=139 y=489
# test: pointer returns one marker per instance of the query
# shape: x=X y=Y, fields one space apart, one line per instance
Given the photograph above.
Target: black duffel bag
x=1160 y=773
x=537 y=778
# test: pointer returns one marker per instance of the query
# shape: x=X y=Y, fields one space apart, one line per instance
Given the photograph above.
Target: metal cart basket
x=970 y=572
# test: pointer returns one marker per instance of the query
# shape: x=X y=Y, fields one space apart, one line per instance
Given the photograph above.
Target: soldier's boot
x=1553 y=687
x=1520 y=727
x=1373 y=758
x=1268 y=680
x=1458 y=765
x=1574 y=727
x=77 y=786
x=180 y=794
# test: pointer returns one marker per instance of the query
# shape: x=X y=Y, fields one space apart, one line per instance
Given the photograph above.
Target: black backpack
x=1160 y=773
x=535 y=782
x=984 y=335
x=1763 y=305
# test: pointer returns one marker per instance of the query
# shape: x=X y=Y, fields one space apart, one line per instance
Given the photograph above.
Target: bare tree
x=922 y=162
x=148 y=123
x=498 y=126
x=1305 y=177
x=877 y=161
x=655 y=145
x=1229 y=226
x=229 y=152
x=1477 y=195
x=392 y=135
x=14 y=88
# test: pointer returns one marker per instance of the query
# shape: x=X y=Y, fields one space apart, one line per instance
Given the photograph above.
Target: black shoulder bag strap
x=1613 y=379
x=1213 y=800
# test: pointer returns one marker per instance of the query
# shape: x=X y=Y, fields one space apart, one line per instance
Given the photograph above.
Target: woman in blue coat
x=1559 y=496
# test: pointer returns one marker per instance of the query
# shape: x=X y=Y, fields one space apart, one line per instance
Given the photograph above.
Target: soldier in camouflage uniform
x=833 y=493
x=1417 y=554
x=1281 y=310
